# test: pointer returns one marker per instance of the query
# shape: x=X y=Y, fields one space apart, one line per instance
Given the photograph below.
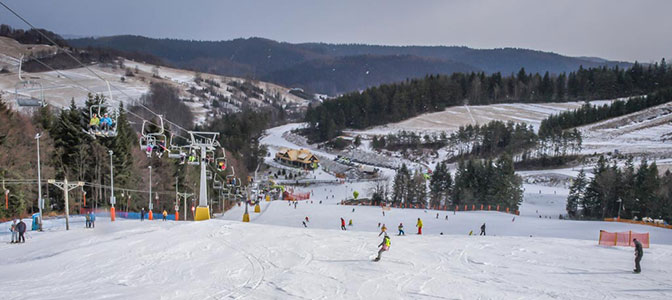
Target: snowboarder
x=304 y=224
x=383 y=230
x=639 y=252
x=343 y=224
x=93 y=219
x=15 y=232
x=21 y=228
x=419 y=225
x=384 y=246
x=87 y=217
x=482 y=229
x=142 y=214
x=165 y=214
x=401 y=229
x=353 y=209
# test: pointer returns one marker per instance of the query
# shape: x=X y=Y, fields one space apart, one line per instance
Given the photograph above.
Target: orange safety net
x=623 y=238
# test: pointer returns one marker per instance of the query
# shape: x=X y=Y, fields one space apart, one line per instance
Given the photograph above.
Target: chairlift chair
x=100 y=109
x=28 y=86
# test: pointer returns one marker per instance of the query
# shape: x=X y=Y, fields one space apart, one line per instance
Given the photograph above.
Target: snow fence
x=623 y=238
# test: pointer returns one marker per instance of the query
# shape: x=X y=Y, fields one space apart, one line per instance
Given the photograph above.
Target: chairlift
x=107 y=117
x=152 y=139
x=217 y=184
x=24 y=88
x=221 y=162
x=176 y=151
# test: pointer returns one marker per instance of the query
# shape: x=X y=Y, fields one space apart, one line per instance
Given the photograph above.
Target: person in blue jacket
x=93 y=219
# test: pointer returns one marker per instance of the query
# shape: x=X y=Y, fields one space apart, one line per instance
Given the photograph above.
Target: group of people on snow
x=90 y=220
x=18 y=230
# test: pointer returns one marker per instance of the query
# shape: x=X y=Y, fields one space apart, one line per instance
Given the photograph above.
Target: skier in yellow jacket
x=419 y=225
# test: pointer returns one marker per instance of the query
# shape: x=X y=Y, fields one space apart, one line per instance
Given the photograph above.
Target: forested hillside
x=334 y=69
x=399 y=101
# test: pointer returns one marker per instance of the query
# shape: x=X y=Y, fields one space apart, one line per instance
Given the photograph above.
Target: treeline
x=395 y=102
x=487 y=182
x=31 y=36
x=588 y=113
x=487 y=141
x=641 y=192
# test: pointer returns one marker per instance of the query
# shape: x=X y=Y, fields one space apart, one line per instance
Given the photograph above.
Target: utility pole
x=149 y=198
x=40 y=201
x=66 y=188
x=113 y=200
x=620 y=203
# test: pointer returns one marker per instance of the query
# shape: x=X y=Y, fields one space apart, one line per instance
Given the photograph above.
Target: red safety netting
x=623 y=238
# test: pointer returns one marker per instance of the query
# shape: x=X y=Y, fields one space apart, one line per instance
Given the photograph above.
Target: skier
x=401 y=229
x=514 y=219
x=142 y=214
x=350 y=222
x=87 y=217
x=307 y=219
x=165 y=214
x=378 y=224
x=304 y=224
x=93 y=219
x=383 y=230
x=639 y=252
x=385 y=246
x=342 y=224
x=419 y=225
x=21 y=228
x=15 y=233
x=383 y=213
x=93 y=123
x=482 y=230
x=437 y=216
x=295 y=203
x=353 y=209
x=446 y=217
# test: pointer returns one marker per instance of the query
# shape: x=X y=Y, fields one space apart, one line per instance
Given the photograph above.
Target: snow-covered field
x=453 y=117
x=221 y=259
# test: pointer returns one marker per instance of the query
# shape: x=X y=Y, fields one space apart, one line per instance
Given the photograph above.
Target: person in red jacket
x=343 y=224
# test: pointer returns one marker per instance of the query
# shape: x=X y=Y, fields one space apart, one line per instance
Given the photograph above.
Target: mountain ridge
x=303 y=64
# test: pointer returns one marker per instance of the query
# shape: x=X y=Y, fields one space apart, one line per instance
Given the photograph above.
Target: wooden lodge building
x=298 y=158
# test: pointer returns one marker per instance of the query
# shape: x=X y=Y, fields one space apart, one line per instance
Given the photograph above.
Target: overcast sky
x=613 y=29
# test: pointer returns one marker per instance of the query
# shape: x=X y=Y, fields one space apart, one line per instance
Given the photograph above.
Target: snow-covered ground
x=220 y=259
x=453 y=117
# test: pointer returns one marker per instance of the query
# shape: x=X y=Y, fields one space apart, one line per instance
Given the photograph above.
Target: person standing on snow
x=142 y=214
x=93 y=219
x=21 y=228
x=384 y=246
x=383 y=230
x=482 y=229
x=15 y=233
x=639 y=252
x=165 y=214
x=350 y=222
x=304 y=224
x=307 y=219
x=401 y=229
x=419 y=225
x=87 y=217
x=342 y=224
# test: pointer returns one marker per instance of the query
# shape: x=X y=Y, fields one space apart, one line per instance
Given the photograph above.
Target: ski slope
x=220 y=259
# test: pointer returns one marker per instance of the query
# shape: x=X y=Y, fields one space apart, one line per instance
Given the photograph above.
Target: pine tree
x=576 y=194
